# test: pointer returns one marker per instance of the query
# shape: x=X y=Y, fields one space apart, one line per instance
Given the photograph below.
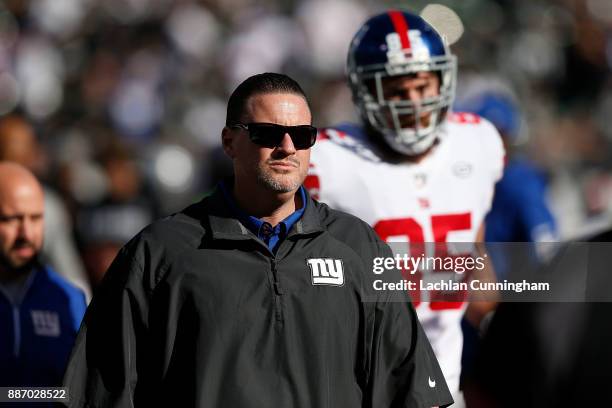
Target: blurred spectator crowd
x=118 y=105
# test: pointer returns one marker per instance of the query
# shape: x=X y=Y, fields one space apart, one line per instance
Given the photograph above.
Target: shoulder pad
x=350 y=137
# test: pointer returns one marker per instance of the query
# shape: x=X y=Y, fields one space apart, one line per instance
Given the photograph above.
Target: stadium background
x=127 y=97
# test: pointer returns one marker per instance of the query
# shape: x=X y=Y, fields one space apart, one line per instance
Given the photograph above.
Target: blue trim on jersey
x=352 y=129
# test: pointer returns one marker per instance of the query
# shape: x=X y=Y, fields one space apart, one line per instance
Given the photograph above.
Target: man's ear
x=227 y=141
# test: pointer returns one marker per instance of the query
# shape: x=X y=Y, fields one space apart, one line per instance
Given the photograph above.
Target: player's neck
x=392 y=156
x=269 y=206
x=416 y=159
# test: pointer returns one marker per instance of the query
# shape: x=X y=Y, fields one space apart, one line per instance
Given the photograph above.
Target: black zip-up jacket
x=195 y=311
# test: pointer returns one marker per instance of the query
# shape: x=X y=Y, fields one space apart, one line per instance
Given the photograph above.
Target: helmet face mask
x=376 y=53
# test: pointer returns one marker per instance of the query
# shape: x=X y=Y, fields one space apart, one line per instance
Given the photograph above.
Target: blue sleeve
x=519 y=212
x=76 y=298
x=78 y=305
x=537 y=219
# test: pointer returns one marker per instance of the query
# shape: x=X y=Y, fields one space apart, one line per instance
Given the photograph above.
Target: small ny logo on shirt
x=46 y=323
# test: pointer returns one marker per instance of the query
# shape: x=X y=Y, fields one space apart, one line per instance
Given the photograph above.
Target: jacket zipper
x=17 y=331
x=16 y=324
x=16 y=308
x=278 y=291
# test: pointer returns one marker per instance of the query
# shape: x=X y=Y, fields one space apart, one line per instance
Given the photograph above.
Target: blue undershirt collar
x=270 y=235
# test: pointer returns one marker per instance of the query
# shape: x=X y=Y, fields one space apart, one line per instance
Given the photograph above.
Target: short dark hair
x=266 y=83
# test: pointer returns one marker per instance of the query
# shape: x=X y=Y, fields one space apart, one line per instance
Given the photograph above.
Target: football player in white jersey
x=415 y=171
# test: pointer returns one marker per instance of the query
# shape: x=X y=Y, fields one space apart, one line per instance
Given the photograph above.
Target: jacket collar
x=224 y=224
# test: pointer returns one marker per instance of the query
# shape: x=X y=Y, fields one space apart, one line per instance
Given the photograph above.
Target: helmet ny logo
x=397 y=54
x=326 y=271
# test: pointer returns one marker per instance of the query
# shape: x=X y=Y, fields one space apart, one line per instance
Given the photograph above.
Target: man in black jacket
x=257 y=296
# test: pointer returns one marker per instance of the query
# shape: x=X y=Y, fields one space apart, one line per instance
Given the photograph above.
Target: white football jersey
x=443 y=198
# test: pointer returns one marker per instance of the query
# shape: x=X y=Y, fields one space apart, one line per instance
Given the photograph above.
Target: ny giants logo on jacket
x=46 y=323
x=326 y=271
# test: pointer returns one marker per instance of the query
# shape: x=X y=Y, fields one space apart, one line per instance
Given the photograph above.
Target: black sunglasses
x=271 y=135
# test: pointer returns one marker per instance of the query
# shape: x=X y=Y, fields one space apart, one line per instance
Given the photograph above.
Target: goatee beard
x=278 y=186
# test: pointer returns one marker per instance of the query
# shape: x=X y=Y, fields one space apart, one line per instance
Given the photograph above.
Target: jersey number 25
x=410 y=229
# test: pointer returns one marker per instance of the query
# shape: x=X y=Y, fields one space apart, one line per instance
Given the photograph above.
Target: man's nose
x=415 y=95
x=286 y=145
x=26 y=228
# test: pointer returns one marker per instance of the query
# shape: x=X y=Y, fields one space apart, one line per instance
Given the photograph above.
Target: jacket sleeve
x=103 y=367
x=403 y=370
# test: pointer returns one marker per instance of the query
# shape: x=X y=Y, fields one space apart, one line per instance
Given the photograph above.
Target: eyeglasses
x=271 y=135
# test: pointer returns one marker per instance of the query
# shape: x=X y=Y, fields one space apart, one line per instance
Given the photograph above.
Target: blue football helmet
x=398 y=43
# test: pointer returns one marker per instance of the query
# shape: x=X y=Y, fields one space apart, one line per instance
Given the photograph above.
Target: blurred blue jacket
x=519 y=212
x=37 y=332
